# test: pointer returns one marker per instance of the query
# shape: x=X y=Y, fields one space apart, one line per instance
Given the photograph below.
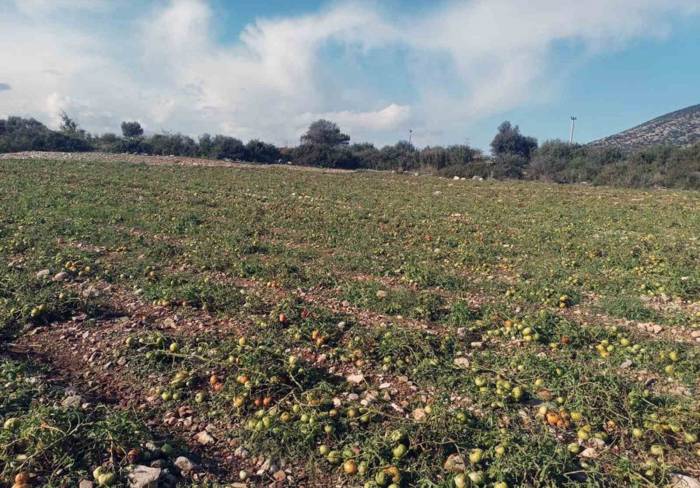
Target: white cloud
x=462 y=61
x=41 y=7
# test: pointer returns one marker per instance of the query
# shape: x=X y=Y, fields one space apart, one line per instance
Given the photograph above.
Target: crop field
x=241 y=326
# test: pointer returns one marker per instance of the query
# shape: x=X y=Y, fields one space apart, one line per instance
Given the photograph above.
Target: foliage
x=515 y=156
x=19 y=134
x=131 y=129
x=380 y=320
x=325 y=132
x=324 y=156
x=509 y=140
x=655 y=166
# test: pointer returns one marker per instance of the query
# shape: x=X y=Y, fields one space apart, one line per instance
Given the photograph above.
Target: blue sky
x=450 y=70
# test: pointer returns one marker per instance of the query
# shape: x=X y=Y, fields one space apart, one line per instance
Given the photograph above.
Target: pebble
x=62 y=276
x=682 y=481
x=42 y=274
x=419 y=415
x=461 y=362
x=184 y=464
x=204 y=438
x=72 y=401
x=144 y=477
x=355 y=378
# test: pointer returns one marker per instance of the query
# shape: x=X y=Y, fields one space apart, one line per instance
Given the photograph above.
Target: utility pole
x=410 y=135
x=573 y=126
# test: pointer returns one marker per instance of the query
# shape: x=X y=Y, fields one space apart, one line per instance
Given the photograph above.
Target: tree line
x=513 y=155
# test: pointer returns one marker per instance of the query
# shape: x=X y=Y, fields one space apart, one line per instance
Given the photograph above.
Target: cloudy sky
x=449 y=70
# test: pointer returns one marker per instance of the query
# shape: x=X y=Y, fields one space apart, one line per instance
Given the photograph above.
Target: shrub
x=324 y=155
x=261 y=152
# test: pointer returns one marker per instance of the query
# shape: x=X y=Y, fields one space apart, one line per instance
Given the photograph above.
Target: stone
x=204 y=438
x=419 y=415
x=589 y=453
x=86 y=484
x=461 y=362
x=42 y=274
x=264 y=467
x=62 y=276
x=144 y=477
x=355 y=378
x=683 y=481
x=455 y=464
x=72 y=401
x=91 y=292
x=184 y=464
x=626 y=364
x=381 y=294
x=279 y=476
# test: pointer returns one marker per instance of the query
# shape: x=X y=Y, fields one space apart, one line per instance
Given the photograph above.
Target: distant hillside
x=680 y=128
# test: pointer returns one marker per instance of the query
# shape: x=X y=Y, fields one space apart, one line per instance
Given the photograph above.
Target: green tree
x=132 y=129
x=325 y=132
x=509 y=140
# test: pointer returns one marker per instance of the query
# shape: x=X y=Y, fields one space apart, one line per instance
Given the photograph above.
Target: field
x=245 y=326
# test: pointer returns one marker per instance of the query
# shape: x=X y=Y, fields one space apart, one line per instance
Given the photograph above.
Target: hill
x=679 y=128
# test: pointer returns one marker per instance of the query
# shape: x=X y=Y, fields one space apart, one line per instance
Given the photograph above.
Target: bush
x=19 y=134
x=261 y=152
x=324 y=156
x=509 y=140
x=671 y=167
x=171 y=144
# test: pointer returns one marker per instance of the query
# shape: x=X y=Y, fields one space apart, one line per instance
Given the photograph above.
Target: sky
x=448 y=70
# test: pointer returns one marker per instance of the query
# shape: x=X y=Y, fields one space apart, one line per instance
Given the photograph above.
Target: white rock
x=590 y=453
x=42 y=274
x=144 y=477
x=455 y=464
x=72 y=401
x=355 y=378
x=204 y=438
x=419 y=415
x=682 y=481
x=184 y=464
x=461 y=362
x=626 y=364
x=62 y=276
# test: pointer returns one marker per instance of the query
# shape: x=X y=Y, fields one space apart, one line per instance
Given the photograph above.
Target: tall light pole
x=410 y=135
x=573 y=126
